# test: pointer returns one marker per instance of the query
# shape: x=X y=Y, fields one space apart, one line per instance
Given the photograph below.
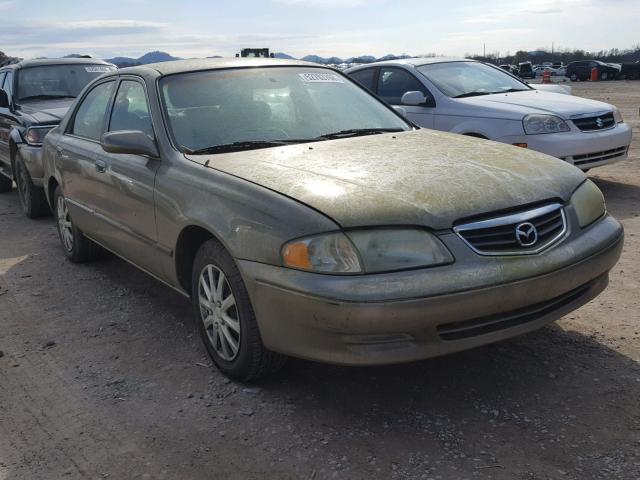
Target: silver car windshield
x=250 y=107
x=57 y=81
x=469 y=79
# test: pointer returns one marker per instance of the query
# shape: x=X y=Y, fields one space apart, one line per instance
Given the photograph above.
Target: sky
x=344 y=28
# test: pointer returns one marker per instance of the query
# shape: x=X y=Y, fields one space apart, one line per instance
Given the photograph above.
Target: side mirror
x=4 y=99
x=414 y=99
x=132 y=142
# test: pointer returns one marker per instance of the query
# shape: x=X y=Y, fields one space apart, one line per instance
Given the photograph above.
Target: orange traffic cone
x=546 y=76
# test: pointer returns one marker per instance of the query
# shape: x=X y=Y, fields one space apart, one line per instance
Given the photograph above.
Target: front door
x=127 y=184
x=394 y=82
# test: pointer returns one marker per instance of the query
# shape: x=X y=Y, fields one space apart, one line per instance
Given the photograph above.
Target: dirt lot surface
x=102 y=375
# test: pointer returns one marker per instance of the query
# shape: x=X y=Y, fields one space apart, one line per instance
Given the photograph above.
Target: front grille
x=524 y=232
x=599 y=156
x=494 y=323
x=595 y=123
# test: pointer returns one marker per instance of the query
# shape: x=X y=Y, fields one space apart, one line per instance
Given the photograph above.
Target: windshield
x=57 y=81
x=466 y=79
x=279 y=105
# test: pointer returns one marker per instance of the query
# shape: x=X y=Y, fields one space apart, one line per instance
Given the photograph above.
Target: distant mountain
x=154 y=57
x=151 y=57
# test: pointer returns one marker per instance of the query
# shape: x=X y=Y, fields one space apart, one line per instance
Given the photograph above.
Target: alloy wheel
x=64 y=224
x=219 y=313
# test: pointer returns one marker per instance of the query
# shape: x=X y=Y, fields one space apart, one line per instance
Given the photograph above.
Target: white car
x=477 y=99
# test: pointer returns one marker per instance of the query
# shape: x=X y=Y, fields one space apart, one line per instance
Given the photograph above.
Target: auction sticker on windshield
x=97 y=69
x=321 y=77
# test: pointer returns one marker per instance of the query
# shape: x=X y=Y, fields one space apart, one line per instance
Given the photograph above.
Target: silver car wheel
x=64 y=224
x=218 y=312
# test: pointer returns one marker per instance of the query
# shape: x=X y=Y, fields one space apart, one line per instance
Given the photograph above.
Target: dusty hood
x=50 y=112
x=414 y=178
x=537 y=101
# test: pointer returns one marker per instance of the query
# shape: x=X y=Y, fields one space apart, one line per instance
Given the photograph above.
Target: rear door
x=394 y=82
x=127 y=183
x=76 y=157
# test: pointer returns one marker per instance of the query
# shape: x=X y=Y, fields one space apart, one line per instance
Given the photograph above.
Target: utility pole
x=552 y=45
x=484 y=50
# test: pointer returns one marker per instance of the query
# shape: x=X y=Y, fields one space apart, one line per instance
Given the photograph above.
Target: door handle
x=101 y=166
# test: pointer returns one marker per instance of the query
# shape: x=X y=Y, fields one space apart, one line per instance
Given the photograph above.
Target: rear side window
x=90 y=116
x=7 y=85
x=366 y=78
x=2 y=74
x=395 y=82
x=131 y=110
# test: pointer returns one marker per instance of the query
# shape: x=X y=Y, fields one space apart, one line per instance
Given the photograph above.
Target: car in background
x=525 y=70
x=34 y=96
x=481 y=100
x=630 y=71
x=305 y=217
x=539 y=70
x=581 y=70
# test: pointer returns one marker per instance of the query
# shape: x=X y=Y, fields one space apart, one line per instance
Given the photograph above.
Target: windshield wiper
x=45 y=96
x=510 y=90
x=473 y=94
x=246 y=145
x=357 y=132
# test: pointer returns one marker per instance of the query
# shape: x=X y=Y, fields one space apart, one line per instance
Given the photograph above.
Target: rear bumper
x=583 y=149
x=400 y=317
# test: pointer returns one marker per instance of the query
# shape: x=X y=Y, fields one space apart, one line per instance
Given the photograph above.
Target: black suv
x=34 y=96
x=581 y=70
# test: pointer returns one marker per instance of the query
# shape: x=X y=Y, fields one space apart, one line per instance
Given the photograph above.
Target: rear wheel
x=573 y=77
x=76 y=246
x=225 y=317
x=33 y=201
x=6 y=184
x=604 y=76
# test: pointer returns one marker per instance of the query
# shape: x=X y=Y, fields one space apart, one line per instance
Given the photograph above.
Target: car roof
x=181 y=66
x=414 y=62
x=55 y=61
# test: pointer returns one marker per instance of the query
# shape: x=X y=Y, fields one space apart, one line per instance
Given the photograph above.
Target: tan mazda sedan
x=305 y=217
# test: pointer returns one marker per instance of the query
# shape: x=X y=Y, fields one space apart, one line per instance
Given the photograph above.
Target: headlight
x=35 y=135
x=366 y=251
x=588 y=203
x=535 y=124
x=617 y=116
x=330 y=253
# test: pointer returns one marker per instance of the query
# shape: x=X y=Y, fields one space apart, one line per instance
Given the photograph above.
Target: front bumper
x=585 y=150
x=406 y=316
x=32 y=158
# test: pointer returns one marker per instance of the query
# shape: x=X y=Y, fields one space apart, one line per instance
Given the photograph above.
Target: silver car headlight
x=588 y=203
x=536 y=124
x=367 y=251
x=617 y=116
x=35 y=135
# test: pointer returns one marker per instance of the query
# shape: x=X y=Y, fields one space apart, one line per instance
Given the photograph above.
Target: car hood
x=413 y=178
x=49 y=112
x=538 y=101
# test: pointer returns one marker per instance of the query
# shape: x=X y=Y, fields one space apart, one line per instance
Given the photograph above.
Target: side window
x=90 y=117
x=2 y=74
x=7 y=86
x=395 y=82
x=366 y=78
x=131 y=110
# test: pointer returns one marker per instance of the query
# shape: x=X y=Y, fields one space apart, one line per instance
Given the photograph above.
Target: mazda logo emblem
x=599 y=122
x=526 y=234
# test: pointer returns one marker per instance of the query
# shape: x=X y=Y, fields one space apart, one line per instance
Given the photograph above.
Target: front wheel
x=76 y=246
x=33 y=201
x=604 y=76
x=226 y=321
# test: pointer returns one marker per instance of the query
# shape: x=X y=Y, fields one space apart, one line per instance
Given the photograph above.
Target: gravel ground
x=102 y=375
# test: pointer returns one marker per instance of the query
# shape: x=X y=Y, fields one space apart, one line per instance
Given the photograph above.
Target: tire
x=573 y=77
x=32 y=198
x=230 y=334
x=604 y=76
x=6 y=184
x=75 y=245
